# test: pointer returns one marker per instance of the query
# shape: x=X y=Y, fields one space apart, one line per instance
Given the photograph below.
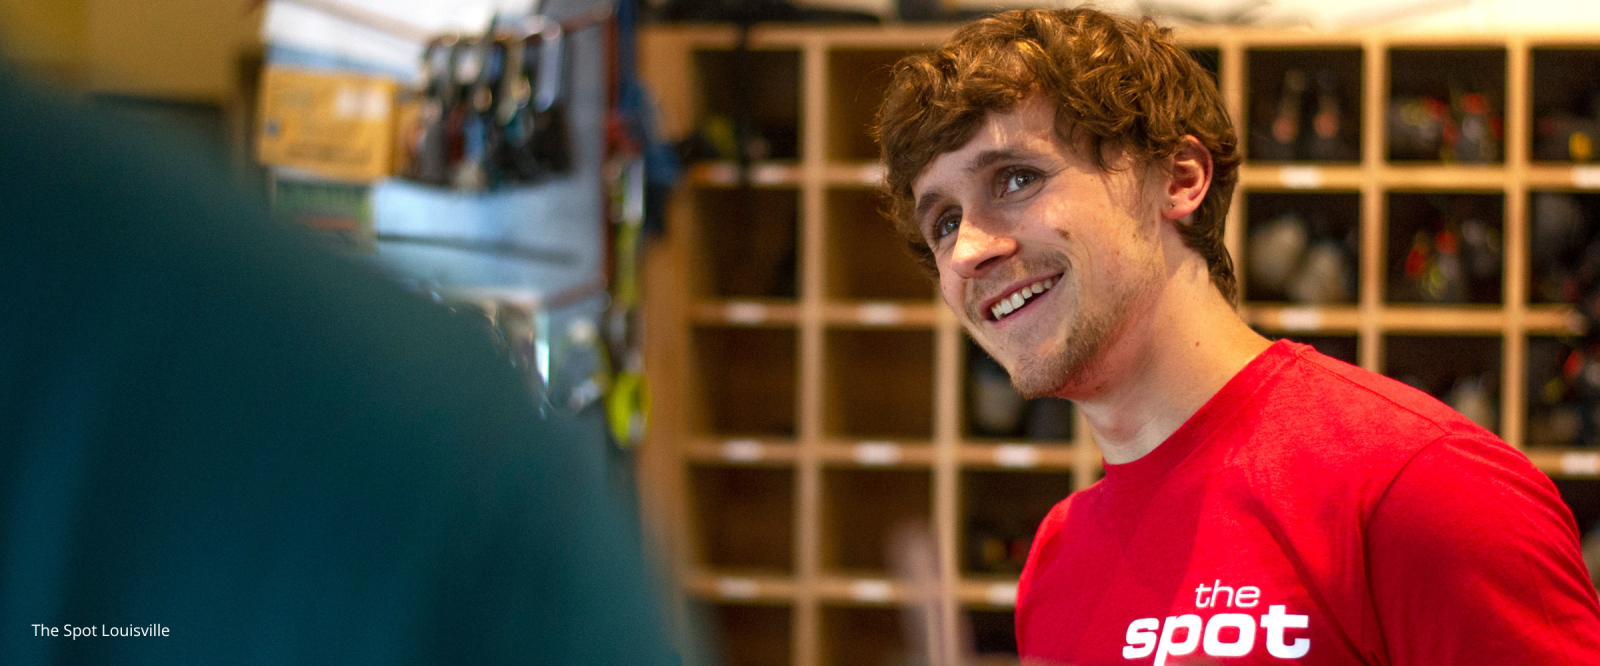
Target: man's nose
x=980 y=245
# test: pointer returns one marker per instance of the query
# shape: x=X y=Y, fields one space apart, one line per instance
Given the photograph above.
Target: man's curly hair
x=1114 y=81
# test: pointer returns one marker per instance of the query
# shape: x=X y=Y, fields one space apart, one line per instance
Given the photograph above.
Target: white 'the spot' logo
x=1223 y=635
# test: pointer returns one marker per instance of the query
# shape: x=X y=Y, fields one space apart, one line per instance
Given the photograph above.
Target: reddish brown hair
x=1114 y=81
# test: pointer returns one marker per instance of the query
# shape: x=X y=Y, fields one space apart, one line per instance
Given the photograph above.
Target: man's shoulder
x=1079 y=503
x=1322 y=428
x=1320 y=397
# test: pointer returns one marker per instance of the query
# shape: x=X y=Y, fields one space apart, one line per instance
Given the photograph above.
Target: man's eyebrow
x=927 y=202
x=989 y=157
x=982 y=161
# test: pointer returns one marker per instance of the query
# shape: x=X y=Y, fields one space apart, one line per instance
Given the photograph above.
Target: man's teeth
x=1019 y=297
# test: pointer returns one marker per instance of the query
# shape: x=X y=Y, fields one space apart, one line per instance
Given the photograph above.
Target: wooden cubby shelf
x=765 y=312
x=766 y=84
x=853 y=175
x=1537 y=319
x=861 y=509
x=863 y=635
x=743 y=451
x=1019 y=456
x=878 y=383
x=877 y=453
x=881 y=314
x=987 y=591
x=856 y=81
x=1566 y=462
x=737 y=588
x=866 y=258
x=745 y=379
x=1286 y=80
x=1303 y=318
x=1300 y=177
x=746 y=518
x=749 y=634
x=1580 y=178
x=750 y=237
x=861 y=590
x=725 y=174
x=1000 y=509
x=994 y=636
x=812 y=393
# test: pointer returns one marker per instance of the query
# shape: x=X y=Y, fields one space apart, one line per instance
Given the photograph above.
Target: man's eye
x=946 y=225
x=1016 y=180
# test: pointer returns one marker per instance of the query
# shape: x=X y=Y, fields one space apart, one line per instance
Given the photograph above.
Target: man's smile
x=1016 y=297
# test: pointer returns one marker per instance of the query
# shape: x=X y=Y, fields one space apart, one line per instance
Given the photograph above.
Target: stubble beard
x=1053 y=373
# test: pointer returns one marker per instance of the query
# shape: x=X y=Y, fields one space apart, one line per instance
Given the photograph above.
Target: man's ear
x=1189 y=178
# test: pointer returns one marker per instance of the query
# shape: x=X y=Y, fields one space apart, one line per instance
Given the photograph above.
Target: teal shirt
x=209 y=424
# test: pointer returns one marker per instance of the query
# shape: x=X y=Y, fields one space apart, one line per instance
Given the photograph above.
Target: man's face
x=1043 y=257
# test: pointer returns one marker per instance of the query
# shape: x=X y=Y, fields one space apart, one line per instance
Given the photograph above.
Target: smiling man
x=1066 y=175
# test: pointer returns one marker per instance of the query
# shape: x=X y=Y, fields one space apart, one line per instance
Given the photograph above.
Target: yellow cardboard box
x=338 y=126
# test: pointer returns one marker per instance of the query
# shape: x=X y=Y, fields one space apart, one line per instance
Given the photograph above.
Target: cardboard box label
x=334 y=125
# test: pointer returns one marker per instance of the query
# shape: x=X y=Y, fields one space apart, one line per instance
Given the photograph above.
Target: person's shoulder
x=1085 y=499
x=1463 y=522
x=1346 y=399
x=1354 y=428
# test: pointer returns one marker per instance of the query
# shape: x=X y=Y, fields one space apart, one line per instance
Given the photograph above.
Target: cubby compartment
x=745 y=381
x=1342 y=347
x=867 y=257
x=861 y=636
x=744 y=518
x=1563 y=392
x=1445 y=248
x=1566 y=104
x=1000 y=512
x=994 y=410
x=748 y=241
x=994 y=636
x=1305 y=105
x=1564 y=239
x=879 y=384
x=1583 y=497
x=861 y=509
x=1461 y=371
x=748 y=635
x=758 y=85
x=857 y=81
x=1301 y=247
x=1446 y=104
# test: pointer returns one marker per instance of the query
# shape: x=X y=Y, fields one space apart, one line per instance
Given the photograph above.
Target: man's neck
x=1157 y=374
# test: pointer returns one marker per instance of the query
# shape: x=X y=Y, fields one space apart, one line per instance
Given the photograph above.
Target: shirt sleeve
x=1473 y=559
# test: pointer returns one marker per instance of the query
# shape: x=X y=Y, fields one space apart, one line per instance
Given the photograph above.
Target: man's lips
x=1016 y=296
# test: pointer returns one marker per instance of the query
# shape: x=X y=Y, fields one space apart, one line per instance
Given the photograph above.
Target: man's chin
x=1041 y=368
x=1031 y=388
x=1036 y=376
x=1055 y=372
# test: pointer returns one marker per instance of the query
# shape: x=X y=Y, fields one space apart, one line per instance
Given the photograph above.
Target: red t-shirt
x=1317 y=513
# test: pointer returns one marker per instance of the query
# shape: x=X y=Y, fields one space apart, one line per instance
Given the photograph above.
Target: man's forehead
x=1022 y=132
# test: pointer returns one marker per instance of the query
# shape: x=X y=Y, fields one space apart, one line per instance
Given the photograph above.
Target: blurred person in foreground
x=244 y=450
x=1066 y=175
